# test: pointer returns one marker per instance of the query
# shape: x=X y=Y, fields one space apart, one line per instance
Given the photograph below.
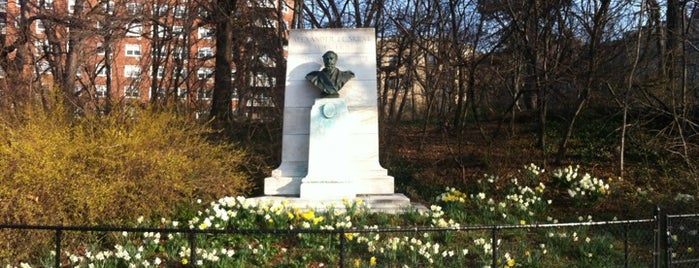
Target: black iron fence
x=661 y=241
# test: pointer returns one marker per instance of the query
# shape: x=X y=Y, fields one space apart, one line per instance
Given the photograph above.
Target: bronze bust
x=330 y=79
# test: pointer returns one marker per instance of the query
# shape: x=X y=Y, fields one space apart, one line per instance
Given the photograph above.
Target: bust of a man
x=330 y=79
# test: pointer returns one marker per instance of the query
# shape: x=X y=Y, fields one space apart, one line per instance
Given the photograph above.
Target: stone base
x=322 y=190
x=288 y=186
x=391 y=203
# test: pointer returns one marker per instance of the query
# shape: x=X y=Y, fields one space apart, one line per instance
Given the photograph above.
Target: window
x=131 y=92
x=99 y=49
x=134 y=29
x=159 y=51
x=178 y=31
x=40 y=26
x=108 y=7
x=132 y=71
x=42 y=47
x=205 y=52
x=204 y=73
x=180 y=12
x=132 y=50
x=178 y=53
x=182 y=73
x=100 y=91
x=47 y=4
x=204 y=33
x=3 y=26
x=204 y=94
x=3 y=5
x=267 y=61
x=203 y=12
x=181 y=93
x=43 y=67
x=71 y=6
x=134 y=9
x=160 y=73
x=160 y=10
x=101 y=70
x=159 y=31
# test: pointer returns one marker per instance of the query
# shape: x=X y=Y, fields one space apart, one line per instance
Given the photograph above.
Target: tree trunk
x=221 y=109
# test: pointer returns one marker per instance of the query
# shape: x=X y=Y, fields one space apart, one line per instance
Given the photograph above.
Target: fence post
x=667 y=240
x=343 y=246
x=59 y=237
x=495 y=246
x=192 y=248
x=660 y=239
x=626 y=245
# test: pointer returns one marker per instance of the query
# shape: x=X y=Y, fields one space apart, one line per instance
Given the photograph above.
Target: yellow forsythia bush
x=107 y=170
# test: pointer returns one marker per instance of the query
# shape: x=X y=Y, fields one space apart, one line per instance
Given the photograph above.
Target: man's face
x=329 y=60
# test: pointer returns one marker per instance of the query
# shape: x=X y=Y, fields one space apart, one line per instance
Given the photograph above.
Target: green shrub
x=107 y=170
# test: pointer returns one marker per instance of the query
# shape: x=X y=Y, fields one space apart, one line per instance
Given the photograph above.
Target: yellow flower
x=372 y=261
x=690 y=249
x=511 y=263
x=185 y=261
x=522 y=222
x=357 y=262
x=349 y=236
x=308 y=215
x=290 y=215
x=317 y=220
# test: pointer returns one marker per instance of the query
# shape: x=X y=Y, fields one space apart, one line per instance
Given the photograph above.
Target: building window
x=40 y=28
x=101 y=70
x=180 y=12
x=132 y=50
x=71 y=6
x=205 y=33
x=178 y=53
x=3 y=26
x=160 y=73
x=134 y=29
x=99 y=49
x=3 y=5
x=203 y=12
x=160 y=93
x=160 y=10
x=204 y=73
x=132 y=92
x=42 y=47
x=204 y=93
x=47 y=4
x=181 y=93
x=43 y=67
x=159 y=51
x=205 y=52
x=134 y=9
x=100 y=91
x=159 y=31
x=178 y=31
x=132 y=71
x=108 y=7
x=181 y=72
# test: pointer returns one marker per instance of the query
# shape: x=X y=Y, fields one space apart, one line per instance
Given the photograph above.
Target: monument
x=330 y=141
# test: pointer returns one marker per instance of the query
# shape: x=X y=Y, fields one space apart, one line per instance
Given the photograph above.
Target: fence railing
x=672 y=237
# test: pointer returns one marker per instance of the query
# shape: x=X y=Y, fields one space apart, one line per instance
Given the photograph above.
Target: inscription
x=333 y=38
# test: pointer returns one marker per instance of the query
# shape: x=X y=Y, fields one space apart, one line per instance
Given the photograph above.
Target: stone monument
x=330 y=141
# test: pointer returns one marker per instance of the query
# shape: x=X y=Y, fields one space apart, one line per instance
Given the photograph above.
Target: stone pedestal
x=329 y=154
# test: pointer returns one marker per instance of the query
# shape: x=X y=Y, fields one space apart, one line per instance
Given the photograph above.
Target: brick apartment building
x=146 y=50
